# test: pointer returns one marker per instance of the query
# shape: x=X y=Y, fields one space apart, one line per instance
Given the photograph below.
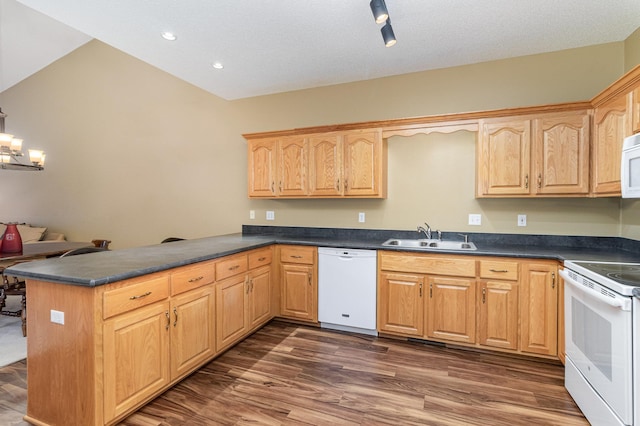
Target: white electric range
x=602 y=370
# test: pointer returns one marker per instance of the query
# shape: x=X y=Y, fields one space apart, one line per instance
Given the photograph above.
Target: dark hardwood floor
x=297 y=375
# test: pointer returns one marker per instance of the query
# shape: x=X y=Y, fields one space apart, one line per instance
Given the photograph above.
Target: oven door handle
x=616 y=303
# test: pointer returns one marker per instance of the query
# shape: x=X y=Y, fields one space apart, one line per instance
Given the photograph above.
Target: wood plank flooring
x=287 y=374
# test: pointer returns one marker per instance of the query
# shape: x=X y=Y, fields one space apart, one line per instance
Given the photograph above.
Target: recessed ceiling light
x=218 y=65
x=169 y=36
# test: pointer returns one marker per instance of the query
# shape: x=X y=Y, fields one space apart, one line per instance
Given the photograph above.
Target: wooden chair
x=12 y=286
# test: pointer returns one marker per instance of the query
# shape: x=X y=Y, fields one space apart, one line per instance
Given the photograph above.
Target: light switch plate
x=271 y=215
x=252 y=214
x=475 y=219
x=361 y=217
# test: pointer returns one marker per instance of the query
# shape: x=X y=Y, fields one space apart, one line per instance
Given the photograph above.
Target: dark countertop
x=105 y=267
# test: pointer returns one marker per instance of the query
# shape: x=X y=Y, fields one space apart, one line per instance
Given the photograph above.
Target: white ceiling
x=272 y=46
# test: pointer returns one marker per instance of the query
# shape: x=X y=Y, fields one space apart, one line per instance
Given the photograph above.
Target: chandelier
x=11 y=151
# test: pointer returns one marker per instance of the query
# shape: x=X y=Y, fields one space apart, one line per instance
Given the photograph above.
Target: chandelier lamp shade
x=11 y=152
x=381 y=15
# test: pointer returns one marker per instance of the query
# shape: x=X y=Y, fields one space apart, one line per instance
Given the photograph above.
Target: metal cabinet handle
x=501 y=271
x=338 y=185
x=251 y=285
x=420 y=289
x=553 y=280
x=262 y=259
x=309 y=278
x=273 y=187
x=296 y=257
x=233 y=268
x=280 y=186
x=246 y=283
x=193 y=280
x=484 y=295
x=168 y=320
x=430 y=291
x=539 y=180
x=140 y=296
x=175 y=313
x=526 y=181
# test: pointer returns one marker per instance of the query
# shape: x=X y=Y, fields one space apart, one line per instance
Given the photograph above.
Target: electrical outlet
x=271 y=215
x=57 y=317
x=522 y=220
x=252 y=214
x=475 y=219
x=361 y=217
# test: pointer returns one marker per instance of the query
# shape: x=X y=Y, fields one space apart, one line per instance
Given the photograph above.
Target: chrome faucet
x=426 y=231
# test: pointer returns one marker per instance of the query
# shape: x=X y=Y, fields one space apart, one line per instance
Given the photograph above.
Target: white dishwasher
x=347 y=289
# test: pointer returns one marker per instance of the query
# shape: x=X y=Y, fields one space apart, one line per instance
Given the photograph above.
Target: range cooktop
x=619 y=277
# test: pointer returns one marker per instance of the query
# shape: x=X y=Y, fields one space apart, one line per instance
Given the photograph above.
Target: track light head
x=387 y=34
x=379 y=10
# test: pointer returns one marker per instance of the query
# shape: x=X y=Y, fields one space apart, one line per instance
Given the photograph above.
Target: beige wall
x=632 y=50
x=136 y=155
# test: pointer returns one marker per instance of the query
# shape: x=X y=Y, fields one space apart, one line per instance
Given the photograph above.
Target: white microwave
x=630 y=167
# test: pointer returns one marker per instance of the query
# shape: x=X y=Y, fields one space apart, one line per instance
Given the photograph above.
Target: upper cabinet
x=330 y=165
x=612 y=123
x=542 y=155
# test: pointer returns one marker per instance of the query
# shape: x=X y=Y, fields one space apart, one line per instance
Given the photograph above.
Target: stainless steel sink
x=429 y=244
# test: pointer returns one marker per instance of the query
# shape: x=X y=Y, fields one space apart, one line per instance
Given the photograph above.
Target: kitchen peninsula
x=109 y=331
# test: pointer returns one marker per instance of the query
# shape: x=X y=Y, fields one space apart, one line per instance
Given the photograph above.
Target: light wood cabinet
x=503 y=304
x=543 y=155
x=243 y=298
x=262 y=158
x=504 y=157
x=539 y=308
x=401 y=303
x=635 y=119
x=340 y=164
x=561 y=153
x=451 y=309
x=561 y=335
x=136 y=357
x=498 y=304
x=325 y=165
x=612 y=123
x=299 y=283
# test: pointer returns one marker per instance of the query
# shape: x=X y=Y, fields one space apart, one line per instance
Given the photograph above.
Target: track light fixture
x=387 y=34
x=379 y=10
x=380 y=13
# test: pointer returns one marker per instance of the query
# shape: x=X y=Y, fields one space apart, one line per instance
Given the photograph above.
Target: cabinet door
x=611 y=125
x=325 y=165
x=539 y=308
x=451 y=309
x=299 y=297
x=504 y=157
x=136 y=357
x=231 y=310
x=400 y=304
x=192 y=330
x=292 y=167
x=561 y=147
x=259 y=296
x=635 y=128
x=363 y=164
x=498 y=314
x=262 y=167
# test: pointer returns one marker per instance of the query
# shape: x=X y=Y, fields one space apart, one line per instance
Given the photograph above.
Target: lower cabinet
x=136 y=357
x=243 y=301
x=298 y=283
x=498 y=303
x=539 y=308
x=451 y=309
x=401 y=303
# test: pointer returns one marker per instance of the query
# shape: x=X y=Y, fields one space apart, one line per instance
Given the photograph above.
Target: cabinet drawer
x=259 y=258
x=230 y=266
x=435 y=265
x=499 y=269
x=190 y=277
x=297 y=254
x=134 y=296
